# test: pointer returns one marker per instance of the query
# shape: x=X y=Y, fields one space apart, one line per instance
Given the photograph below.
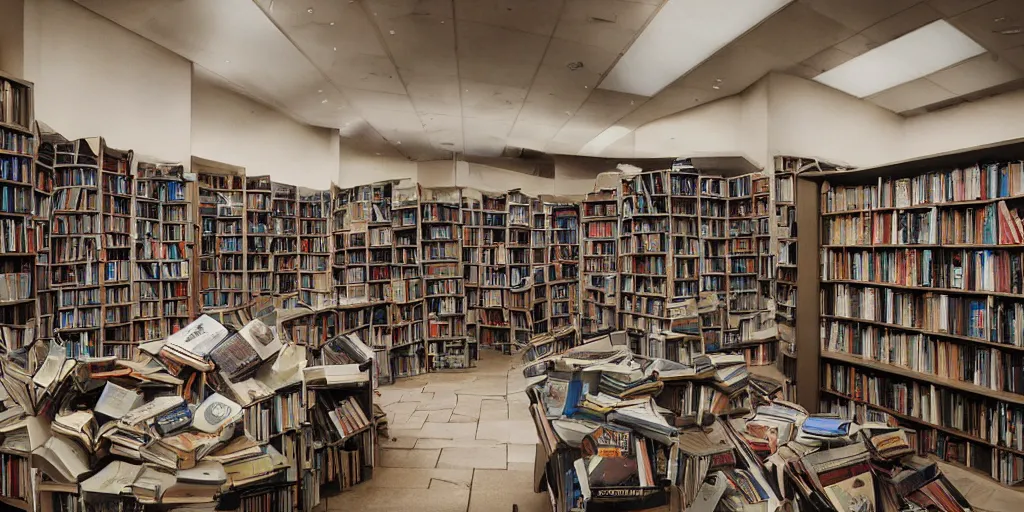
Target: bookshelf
x=539 y=316
x=493 y=318
x=518 y=259
x=258 y=240
x=407 y=316
x=380 y=243
x=223 y=282
x=117 y=197
x=339 y=236
x=472 y=228
x=600 y=219
x=564 y=266
x=713 y=218
x=285 y=241
x=46 y=296
x=18 y=214
x=314 y=250
x=685 y=237
x=644 y=251
x=444 y=290
x=921 y=302
x=786 y=169
x=357 y=263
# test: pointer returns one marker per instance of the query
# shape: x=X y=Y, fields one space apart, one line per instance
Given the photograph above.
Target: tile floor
x=460 y=442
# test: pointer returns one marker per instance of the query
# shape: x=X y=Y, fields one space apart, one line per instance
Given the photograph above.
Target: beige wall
x=990 y=120
x=359 y=166
x=12 y=37
x=709 y=129
x=233 y=129
x=93 y=77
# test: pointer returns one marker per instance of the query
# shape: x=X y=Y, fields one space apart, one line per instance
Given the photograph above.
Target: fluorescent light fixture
x=683 y=34
x=603 y=140
x=920 y=53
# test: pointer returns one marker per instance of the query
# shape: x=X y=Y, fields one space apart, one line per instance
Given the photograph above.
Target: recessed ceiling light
x=227 y=62
x=310 y=10
x=324 y=101
x=662 y=54
x=335 y=48
x=931 y=48
x=332 y=23
x=319 y=90
x=605 y=139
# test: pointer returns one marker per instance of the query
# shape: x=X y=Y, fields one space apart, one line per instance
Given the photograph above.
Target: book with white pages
x=215 y=412
x=199 y=337
x=115 y=401
x=61 y=460
x=334 y=375
x=115 y=478
x=151 y=409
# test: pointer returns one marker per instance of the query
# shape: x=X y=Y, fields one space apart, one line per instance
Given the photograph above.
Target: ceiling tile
x=531 y=136
x=421 y=43
x=975 y=74
x=398 y=8
x=954 y=7
x=489 y=101
x=444 y=131
x=610 y=24
x=802 y=71
x=372 y=100
x=901 y=23
x=826 y=60
x=861 y=14
x=534 y=16
x=910 y=95
x=432 y=94
x=1014 y=56
x=795 y=33
x=856 y=45
x=485 y=137
x=548 y=109
x=369 y=72
x=737 y=66
x=497 y=55
x=603 y=108
x=982 y=25
x=671 y=100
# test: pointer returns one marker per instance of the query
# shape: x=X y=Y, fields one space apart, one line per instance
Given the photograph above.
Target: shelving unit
x=564 y=266
x=407 y=313
x=258 y=240
x=356 y=252
x=644 y=252
x=921 y=303
x=786 y=268
x=223 y=282
x=714 y=287
x=472 y=227
x=518 y=258
x=492 y=316
x=314 y=247
x=46 y=296
x=685 y=234
x=285 y=242
x=339 y=238
x=444 y=291
x=18 y=211
x=539 y=234
x=380 y=251
x=600 y=229
x=117 y=196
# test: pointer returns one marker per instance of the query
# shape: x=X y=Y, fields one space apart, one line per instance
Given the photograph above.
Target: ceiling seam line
x=458 y=78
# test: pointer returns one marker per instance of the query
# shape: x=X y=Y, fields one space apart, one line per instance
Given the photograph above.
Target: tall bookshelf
x=472 y=226
x=444 y=291
x=314 y=247
x=518 y=257
x=644 y=252
x=685 y=234
x=223 y=282
x=284 y=204
x=786 y=268
x=18 y=253
x=147 y=323
x=380 y=243
x=564 y=266
x=407 y=313
x=600 y=219
x=46 y=296
x=922 y=301
x=356 y=253
x=339 y=237
x=258 y=240
x=539 y=315
x=493 y=327
x=117 y=193
x=713 y=217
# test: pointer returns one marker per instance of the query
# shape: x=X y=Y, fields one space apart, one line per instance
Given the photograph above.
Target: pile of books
x=620 y=431
x=172 y=426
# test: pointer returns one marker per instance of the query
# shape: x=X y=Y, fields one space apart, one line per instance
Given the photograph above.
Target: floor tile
x=403 y=443
x=448 y=430
x=492 y=457
x=493 y=410
x=438 y=402
x=409 y=458
x=522 y=453
x=458 y=418
x=441 y=416
x=468 y=406
x=417 y=396
x=401 y=408
x=431 y=444
x=495 y=490
x=369 y=499
x=418 y=478
x=507 y=431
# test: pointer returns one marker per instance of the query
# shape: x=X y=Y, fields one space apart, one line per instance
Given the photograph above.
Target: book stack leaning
x=213 y=417
x=619 y=431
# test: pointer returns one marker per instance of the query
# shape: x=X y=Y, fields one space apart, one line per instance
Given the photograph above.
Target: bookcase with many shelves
x=519 y=260
x=472 y=227
x=356 y=242
x=600 y=219
x=407 y=310
x=644 y=251
x=922 y=301
x=285 y=241
x=444 y=291
x=314 y=247
x=685 y=234
x=492 y=316
x=18 y=253
x=46 y=296
x=258 y=241
x=563 y=280
x=713 y=218
x=380 y=243
x=223 y=279
x=117 y=195
x=786 y=169
x=539 y=314
x=339 y=236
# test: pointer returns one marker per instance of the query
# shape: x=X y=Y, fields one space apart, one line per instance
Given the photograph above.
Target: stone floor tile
x=522 y=452
x=418 y=478
x=448 y=430
x=401 y=408
x=409 y=458
x=404 y=442
x=493 y=410
x=491 y=457
x=370 y=499
x=417 y=396
x=438 y=402
x=496 y=490
x=458 y=418
x=507 y=431
x=468 y=406
x=428 y=444
x=440 y=416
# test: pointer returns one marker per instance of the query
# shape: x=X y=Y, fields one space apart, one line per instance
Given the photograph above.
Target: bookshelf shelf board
x=925 y=332
x=906 y=417
x=1005 y=396
x=922 y=288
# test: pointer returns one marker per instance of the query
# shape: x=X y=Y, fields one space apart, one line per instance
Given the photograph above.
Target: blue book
x=826 y=427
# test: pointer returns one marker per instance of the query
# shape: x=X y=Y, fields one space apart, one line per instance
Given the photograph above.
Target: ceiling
x=425 y=78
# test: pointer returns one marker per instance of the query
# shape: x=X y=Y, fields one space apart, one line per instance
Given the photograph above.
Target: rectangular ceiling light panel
x=683 y=34
x=931 y=48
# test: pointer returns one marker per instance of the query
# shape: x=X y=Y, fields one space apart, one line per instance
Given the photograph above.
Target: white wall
x=358 y=166
x=230 y=128
x=12 y=37
x=991 y=120
x=710 y=129
x=93 y=77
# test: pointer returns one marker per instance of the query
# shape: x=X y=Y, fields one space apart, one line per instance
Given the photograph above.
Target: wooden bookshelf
x=599 y=287
x=356 y=243
x=258 y=235
x=18 y=224
x=563 y=280
x=380 y=243
x=285 y=240
x=921 y=302
x=685 y=243
x=472 y=228
x=46 y=296
x=540 y=313
x=492 y=316
x=223 y=282
x=518 y=258
x=786 y=268
x=117 y=191
x=644 y=251
x=314 y=250
x=714 y=264
x=339 y=237
x=444 y=290
x=407 y=310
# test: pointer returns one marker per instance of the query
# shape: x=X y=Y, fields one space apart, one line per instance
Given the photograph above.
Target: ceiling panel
x=975 y=74
x=533 y=16
x=609 y=24
x=954 y=7
x=493 y=102
x=910 y=95
x=497 y=55
x=986 y=24
x=902 y=23
x=860 y=14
